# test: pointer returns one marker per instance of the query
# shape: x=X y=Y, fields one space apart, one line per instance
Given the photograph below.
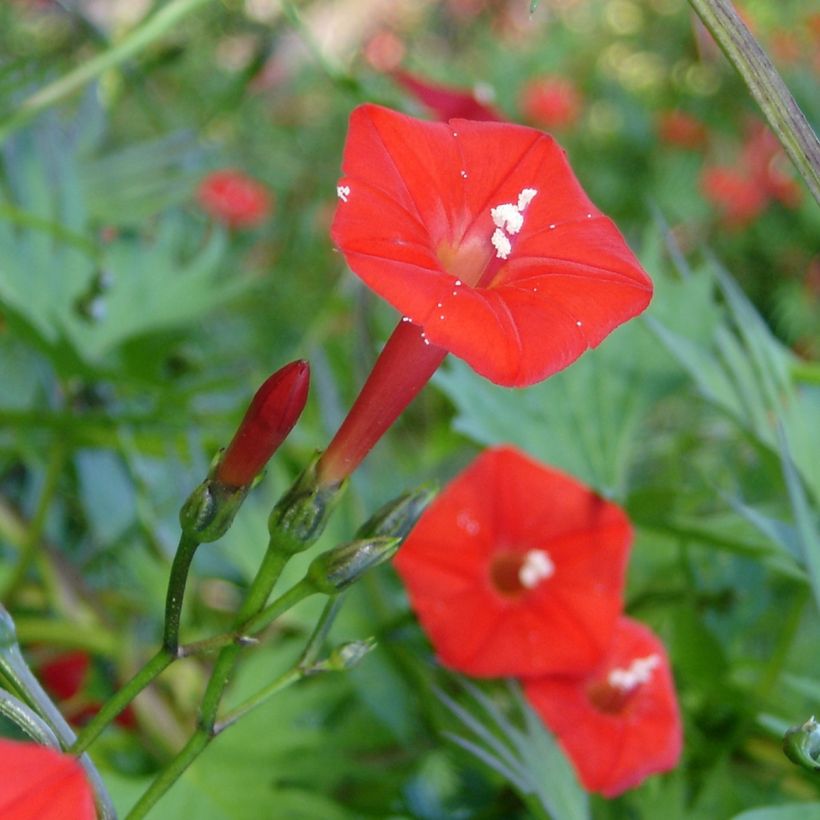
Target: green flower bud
x=801 y=744
x=398 y=516
x=335 y=570
x=348 y=655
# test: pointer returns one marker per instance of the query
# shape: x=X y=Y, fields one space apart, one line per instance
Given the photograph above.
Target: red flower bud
x=274 y=410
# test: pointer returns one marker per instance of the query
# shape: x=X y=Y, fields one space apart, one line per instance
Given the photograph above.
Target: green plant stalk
x=767 y=87
x=27 y=721
x=269 y=572
x=114 y=705
x=301 y=669
x=176 y=592
x=34 y=531
x=166 y=18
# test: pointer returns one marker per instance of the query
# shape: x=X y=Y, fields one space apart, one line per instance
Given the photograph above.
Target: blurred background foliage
x=134 y=327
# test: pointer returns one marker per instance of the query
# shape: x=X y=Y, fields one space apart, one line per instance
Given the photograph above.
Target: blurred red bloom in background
x=550 y=102
x=234 y=198
x=768 y=165
x=621 y=722
x=480 y=233
x=681 y=130
x=66 y=678
x=517 y=569
x=738 y=197
x=446 y=103
x=39 y=783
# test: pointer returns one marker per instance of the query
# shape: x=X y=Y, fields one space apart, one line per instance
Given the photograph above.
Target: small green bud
x=299 y=517
x=335 y=570
x=801 y=744
x=348 y=655
x=210 y=510
x=399 y=516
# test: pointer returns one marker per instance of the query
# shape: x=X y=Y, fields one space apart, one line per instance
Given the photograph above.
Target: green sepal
x=337 y=569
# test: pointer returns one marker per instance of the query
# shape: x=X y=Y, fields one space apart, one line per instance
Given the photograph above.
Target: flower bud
x=274 y=410
x=348 y=655
x=399 y=516
x=210 y=510
x=337 y=569
x=801 y=744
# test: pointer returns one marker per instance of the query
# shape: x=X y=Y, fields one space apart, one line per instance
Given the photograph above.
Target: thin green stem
x=176 y=592
x=161 y=661
x=302 y=668
x=766 y=86
x=301 y=590
x=199 y=740
x=166 y=18
x=34 y=532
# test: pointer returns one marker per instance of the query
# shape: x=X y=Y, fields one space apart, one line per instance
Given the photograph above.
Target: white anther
x=636 y=674
x=501 y=243
x=536 y=567
x=343 y=192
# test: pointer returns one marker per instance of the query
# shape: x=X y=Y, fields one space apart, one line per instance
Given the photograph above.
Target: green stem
x=27 y=720
x=284 y=602
x=170 y=774
x=34 y=532
x=766 y=86
x=176 y=592
x=111 y=708
x=166 y=18
x=299 y=670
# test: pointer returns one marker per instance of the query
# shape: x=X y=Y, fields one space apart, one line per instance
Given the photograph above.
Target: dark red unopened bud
x=274 y=410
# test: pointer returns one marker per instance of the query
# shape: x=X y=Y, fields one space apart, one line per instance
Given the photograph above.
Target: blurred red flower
x=39 y=783
x=446 y=103
x=736 y=195
x=550 y=102
x=480 y=233
x=517 y=569
x=621 y=722
x=234 y=198
x=66 y=678
x=767 y=164
x=681 y=130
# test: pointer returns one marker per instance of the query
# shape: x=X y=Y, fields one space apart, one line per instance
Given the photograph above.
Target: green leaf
x=788 y=811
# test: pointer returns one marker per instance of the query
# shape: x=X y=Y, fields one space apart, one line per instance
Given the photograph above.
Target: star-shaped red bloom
x=42 y=784
x=517 y=569
x=480 y=233
x=620 y=723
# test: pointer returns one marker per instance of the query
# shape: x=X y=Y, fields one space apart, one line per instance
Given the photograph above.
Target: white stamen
x=536 y=567
x=464 y=175
x=589 y=216
x=507 y=217
x=636 y=674
x=457 y=282
x=552 y=227
x=441 y=316
x=343 y=192
x=525 y=197
x=579 y=323
x=501 y=243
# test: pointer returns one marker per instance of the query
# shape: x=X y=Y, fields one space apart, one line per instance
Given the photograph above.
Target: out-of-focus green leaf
x=788 y=811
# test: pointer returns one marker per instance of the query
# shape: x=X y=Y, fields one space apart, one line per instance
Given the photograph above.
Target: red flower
x=444 y=102
x=234 y=198
x=517 y=569
x=39 y=783
x=681 y=130
x=551 y=102
x=620 y=723
x=65 y=678
x=274 y=410
x=738 y=197
x=766 y=163
x=480 y=233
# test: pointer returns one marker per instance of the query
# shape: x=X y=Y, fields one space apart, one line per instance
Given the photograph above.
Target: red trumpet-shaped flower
x=234 y=198
x=517 y=569
x=482 y=237
x=273 y=411
x=38 y=783
x=480 y=233
x=619 y=723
